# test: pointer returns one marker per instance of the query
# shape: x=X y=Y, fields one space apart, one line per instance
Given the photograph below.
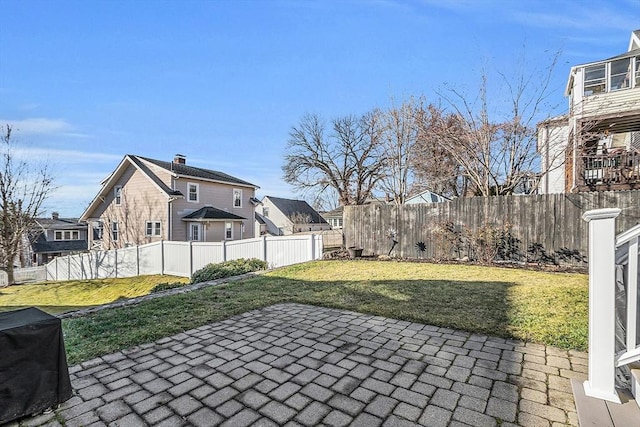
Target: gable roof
x=60 y=223
x=183 y=170
x=142 y=164
x=209 y=213
x=290 y=207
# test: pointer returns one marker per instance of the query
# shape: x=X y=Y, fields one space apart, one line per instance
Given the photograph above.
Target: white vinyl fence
x=24 y=275
x=183 y=258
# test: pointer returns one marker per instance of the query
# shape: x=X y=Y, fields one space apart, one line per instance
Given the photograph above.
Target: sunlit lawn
x=549 y=308
x=59 y=297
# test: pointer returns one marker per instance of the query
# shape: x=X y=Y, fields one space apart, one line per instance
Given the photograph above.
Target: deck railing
x=613 y=261
x=619 y=167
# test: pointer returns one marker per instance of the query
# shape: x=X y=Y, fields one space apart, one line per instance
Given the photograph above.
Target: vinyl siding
x=219 y=196
x=142 y=201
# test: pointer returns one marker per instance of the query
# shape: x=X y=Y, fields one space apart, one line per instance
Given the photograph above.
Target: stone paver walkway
x=293 y=364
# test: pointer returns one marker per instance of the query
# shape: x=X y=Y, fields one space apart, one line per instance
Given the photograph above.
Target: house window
x=228 y=230
x=620 y=74
x=265 y=211
x=194 y=232
x=237 y=198
x=193 y=192
x=637 y=61
x=114 y=231
x=117 y=194
x=594 y=79
x=66 y=235
x=153 y=228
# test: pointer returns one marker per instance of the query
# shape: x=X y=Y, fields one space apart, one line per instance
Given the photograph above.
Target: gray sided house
x=53 y=237
x=146 y=200
x=596 y=146
x=278 y=216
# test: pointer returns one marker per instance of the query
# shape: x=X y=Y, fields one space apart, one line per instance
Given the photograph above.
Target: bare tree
x=298 y=220
x=24 y=186
x=343 y=157
x=400 y=132
x=495 y=155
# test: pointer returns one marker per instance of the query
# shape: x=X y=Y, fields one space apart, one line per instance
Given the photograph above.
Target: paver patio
x=293 y=364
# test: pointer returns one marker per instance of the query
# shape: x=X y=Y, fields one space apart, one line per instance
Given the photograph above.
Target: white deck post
x=602 y=239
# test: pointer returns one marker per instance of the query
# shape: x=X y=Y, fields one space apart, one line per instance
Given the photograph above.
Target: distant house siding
x=277 y=217
x=219 y=196
x=141 y=201
x=552 y=144
x=624 y=100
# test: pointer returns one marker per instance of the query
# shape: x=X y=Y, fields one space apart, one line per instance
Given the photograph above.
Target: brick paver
x=295 y=364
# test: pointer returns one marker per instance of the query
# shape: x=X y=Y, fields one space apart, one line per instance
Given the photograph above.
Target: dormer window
x=66 y=235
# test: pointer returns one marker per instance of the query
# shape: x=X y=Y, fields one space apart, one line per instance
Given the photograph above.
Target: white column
x=602 y=238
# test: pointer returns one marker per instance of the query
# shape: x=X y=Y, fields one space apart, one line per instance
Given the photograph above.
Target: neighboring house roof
x=336 y=213
x=209 y=213
x=290 y=207
x=194 y=172
x=426 y=196
x=179 y=169
x=271 y=227
x=60 y=223
x=42 y=245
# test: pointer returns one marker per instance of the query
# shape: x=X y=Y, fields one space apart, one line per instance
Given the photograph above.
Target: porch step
x=594 y=412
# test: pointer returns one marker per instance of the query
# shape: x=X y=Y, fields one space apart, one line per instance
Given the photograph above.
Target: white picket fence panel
x=182 y=258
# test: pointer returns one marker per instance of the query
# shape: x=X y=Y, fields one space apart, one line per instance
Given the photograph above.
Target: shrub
x=228 y=269
x=164 y=286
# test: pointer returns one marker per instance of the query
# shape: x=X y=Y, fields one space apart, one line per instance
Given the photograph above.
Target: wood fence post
x=602 y=241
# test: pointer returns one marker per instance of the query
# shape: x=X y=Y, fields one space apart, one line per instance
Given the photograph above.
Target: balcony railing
x=619 y=169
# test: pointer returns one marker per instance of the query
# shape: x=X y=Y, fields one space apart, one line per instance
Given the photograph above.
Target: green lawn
x=549 y=308
x=59 y=297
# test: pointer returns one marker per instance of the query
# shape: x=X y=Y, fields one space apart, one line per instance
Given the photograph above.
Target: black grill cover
x=33 y=365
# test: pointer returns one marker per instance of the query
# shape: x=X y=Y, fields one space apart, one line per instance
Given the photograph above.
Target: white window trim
x=117 y=195
x=115 y=231
x=225 y=230
x=197 y=186
x=156 y=229
x=234 y=198
x=198 y=226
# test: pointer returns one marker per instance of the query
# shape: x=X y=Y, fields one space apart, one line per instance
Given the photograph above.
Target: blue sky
x=85 y=82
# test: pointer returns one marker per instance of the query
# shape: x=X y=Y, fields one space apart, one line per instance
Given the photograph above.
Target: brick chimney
x=54 y=215
x=180 y=159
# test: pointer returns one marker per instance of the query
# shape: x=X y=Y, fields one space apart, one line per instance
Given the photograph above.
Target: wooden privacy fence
x=550 y=222
x=183 y=258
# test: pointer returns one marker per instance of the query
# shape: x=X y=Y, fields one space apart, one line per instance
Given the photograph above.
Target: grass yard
x=59 y=297
x=549 y=308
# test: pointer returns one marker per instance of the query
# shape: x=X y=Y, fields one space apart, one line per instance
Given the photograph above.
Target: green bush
x=228 y=269
x=164 y=286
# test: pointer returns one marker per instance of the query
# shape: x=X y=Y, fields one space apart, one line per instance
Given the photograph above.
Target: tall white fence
x=613 y=275
x=183 y=258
